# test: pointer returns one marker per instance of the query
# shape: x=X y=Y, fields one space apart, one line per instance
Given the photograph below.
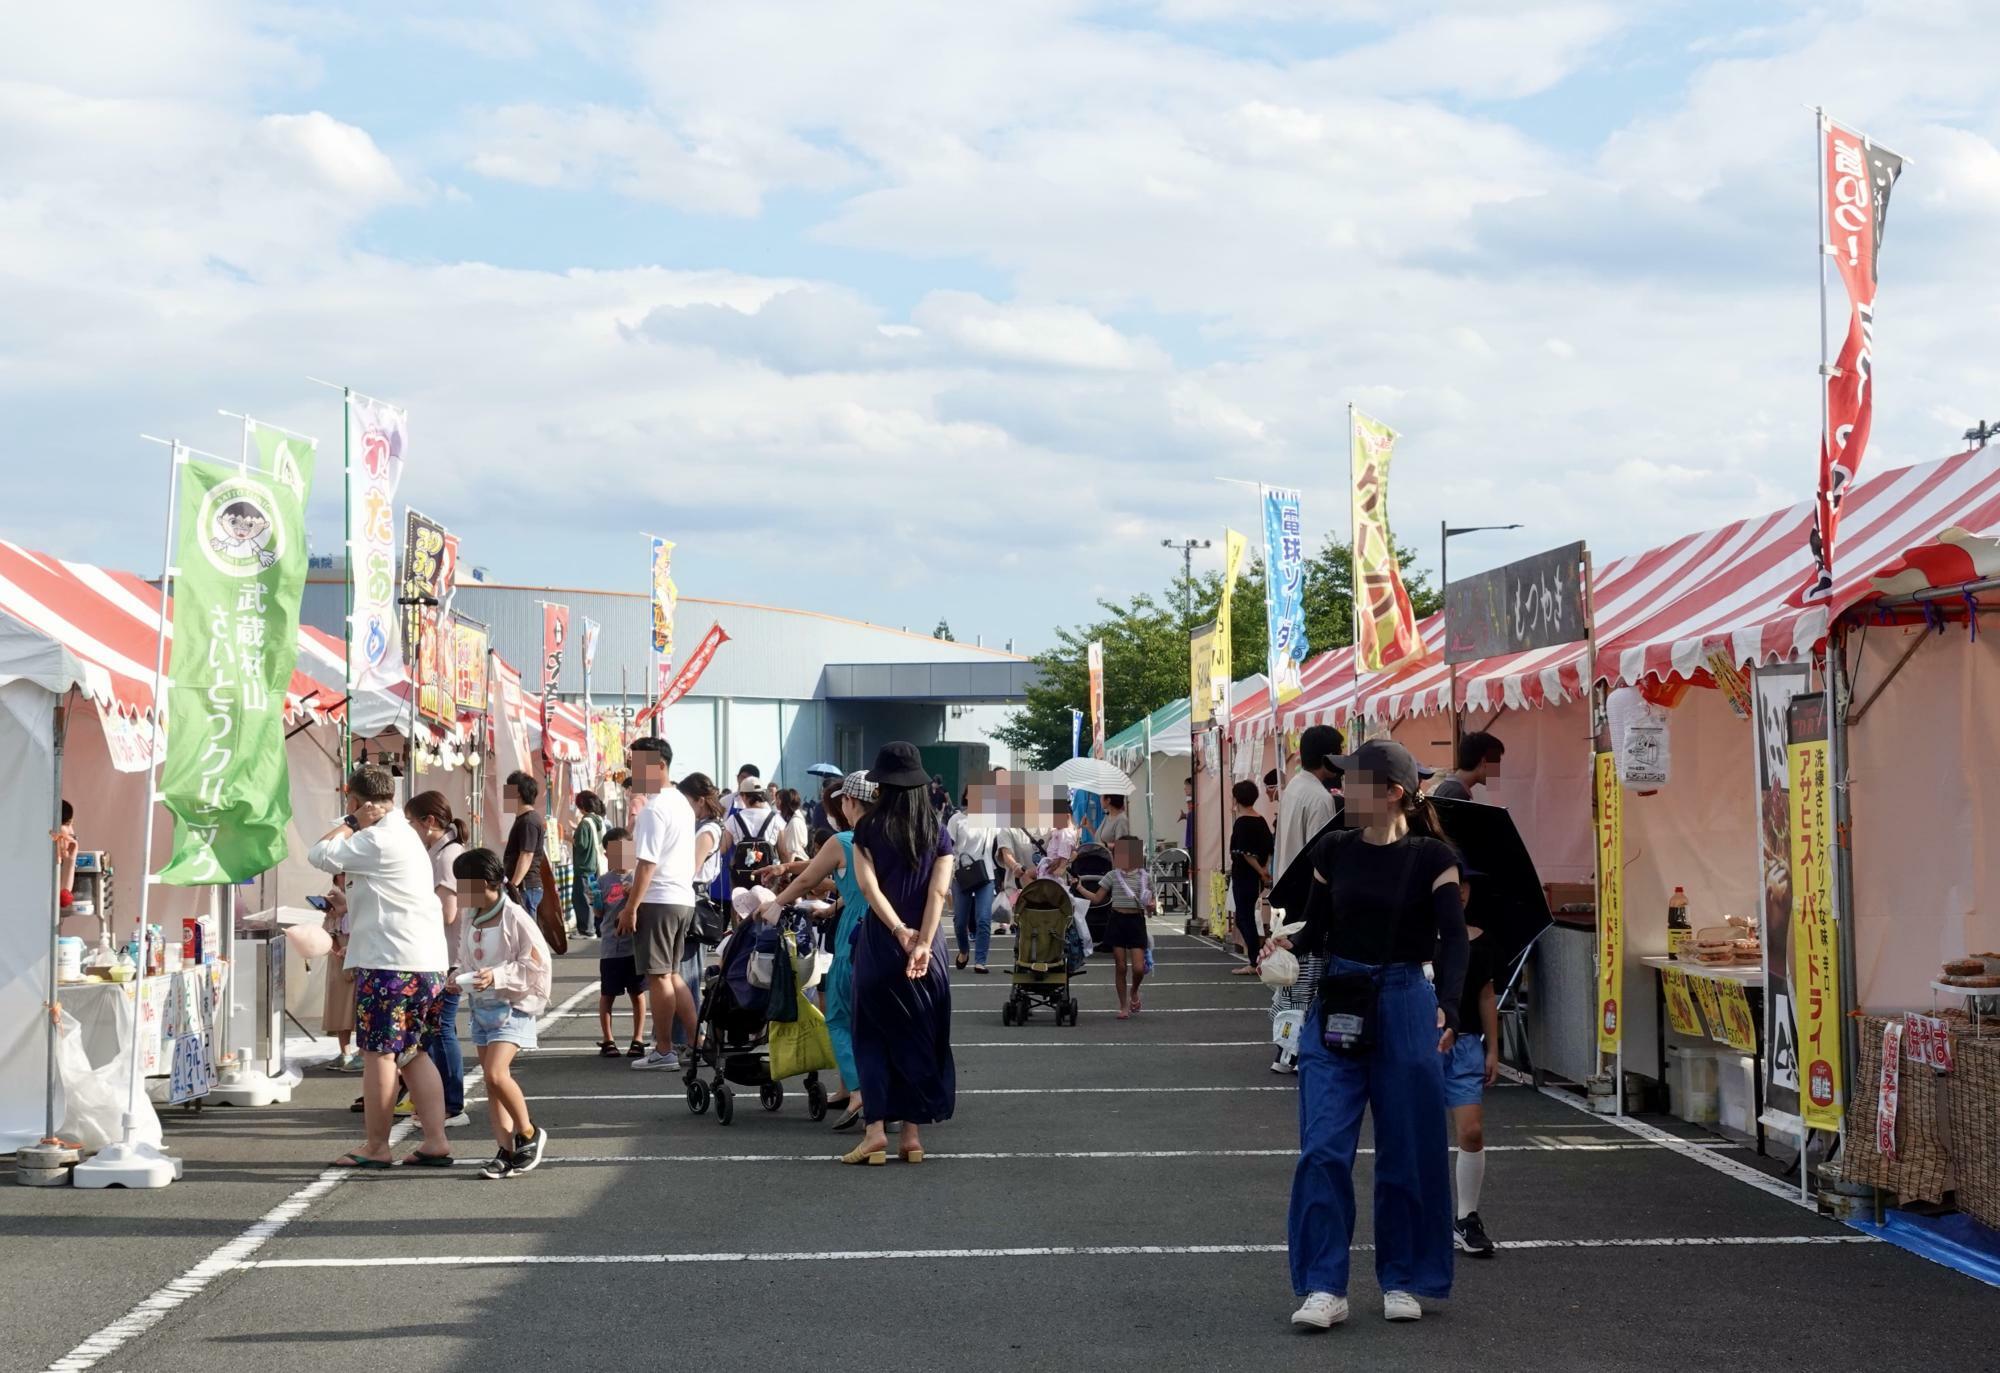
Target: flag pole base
x=248 y=1087
x=127 y=1164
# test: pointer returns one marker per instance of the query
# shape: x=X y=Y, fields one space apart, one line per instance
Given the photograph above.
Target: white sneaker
x=1321 y=1311
x=655 y=1059
x=453 y=1122
x=1400 y=1306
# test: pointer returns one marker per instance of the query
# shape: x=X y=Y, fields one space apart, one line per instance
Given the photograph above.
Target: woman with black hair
x=902 y=995
x=1384 y=901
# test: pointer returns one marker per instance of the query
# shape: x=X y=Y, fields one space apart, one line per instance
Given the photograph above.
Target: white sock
x=1471 y=1177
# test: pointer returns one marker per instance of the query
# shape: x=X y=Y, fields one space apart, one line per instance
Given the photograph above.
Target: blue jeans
x=1400 y=1078
x=972 y=917
x=444 y=1051
x=579 y=902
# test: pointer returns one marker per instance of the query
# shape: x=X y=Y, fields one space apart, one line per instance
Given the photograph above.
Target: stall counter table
x=1749 y=976
x=175 y=1003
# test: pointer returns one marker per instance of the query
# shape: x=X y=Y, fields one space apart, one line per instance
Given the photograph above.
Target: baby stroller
x=733 y=1030
x=1048 y=952
x=1092 y=861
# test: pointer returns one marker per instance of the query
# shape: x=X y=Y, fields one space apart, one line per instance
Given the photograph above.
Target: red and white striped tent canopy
x=110 y=622
x=1731 y=591
x=566 y=728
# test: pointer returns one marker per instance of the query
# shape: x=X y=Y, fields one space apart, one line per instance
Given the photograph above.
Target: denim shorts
x=1465 y=1072
x=499 y=1022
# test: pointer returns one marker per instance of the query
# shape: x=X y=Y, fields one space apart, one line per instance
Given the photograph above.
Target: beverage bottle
x=1679 y=931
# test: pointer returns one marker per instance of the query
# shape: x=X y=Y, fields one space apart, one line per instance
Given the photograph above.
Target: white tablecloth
x=173 y=1004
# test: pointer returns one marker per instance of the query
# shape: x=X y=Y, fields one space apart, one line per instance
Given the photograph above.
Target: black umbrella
x=1507 y=902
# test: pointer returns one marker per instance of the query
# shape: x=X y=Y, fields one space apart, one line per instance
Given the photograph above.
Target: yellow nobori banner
x=1385 y=624
x=1610 y=904
x=1815 y=942
x=1201 y=672
x=1222 y=646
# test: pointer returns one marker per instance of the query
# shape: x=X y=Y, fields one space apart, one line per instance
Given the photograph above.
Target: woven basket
x=1921 y=1169
x=1975 y=1125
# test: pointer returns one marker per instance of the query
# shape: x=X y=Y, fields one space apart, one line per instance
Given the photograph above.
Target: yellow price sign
x=1739 y=1030
x=1711 y=1005
x=1680 y=1003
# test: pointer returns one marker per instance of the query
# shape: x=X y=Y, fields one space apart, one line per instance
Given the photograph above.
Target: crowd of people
x=1392 y=1011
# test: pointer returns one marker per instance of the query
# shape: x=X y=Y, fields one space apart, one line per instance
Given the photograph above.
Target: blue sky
x=915 y=311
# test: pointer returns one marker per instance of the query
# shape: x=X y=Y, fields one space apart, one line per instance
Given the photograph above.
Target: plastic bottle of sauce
x=1679 y=931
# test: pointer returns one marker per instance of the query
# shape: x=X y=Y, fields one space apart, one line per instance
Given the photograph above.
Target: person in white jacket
x=509 y=970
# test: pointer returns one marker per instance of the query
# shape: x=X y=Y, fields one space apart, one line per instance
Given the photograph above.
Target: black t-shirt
x=1478 y=974
x=1249 y=837
x=524 y=837
x=1376 y=903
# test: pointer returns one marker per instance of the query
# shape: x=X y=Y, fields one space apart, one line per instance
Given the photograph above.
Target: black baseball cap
x=1384 y=759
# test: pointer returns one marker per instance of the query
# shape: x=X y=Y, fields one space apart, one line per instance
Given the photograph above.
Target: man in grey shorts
x=660 y=907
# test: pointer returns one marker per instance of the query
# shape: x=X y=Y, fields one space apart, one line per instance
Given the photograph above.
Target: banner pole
x=131 y=1163
x=1354 y=563
x=347 y=579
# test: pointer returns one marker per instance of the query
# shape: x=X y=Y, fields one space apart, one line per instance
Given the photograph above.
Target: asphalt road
x=1109 y=1196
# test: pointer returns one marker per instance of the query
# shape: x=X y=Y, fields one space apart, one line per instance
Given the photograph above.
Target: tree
x=943 y=631
x=1146 y=646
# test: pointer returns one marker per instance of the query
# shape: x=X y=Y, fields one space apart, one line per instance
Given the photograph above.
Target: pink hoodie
x=514 y=949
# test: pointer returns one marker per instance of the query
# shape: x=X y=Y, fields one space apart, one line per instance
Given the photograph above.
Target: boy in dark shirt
x=1470 y=1067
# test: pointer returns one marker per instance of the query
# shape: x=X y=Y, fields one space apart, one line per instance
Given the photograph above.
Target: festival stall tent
x=36 y=674
x=1668 y=617
x=108 y=625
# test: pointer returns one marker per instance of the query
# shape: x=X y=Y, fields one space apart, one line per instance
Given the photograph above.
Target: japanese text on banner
x=241 y=560
x=1096 y=661
x=1285 y=591
x=1201 y=676
x=377 y=439
x=1385 y=624
x=1610 y=904
x=1815 y=952
x=1223 y=644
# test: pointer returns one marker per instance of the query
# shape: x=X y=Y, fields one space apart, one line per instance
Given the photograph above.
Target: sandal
x=638 y=1050
x=914 y=1154
x=960 y=962
x=357 y=1162
x=981 y=969
x=874 y=1158
x=606 y=1049
x=420 y=1159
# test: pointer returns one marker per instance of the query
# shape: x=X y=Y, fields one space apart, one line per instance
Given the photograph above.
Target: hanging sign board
x=1534 y=603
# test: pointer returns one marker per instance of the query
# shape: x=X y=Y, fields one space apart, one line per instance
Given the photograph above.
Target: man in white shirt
x=659 y=910
x=397 y=951
x=1307 y=803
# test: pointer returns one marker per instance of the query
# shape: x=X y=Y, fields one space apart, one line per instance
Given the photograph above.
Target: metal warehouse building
x=791 y=687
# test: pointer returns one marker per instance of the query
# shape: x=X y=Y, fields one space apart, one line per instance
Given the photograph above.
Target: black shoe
x=1472 y=1237
x=528 y=1152
x=500 y=1166
x=850 y=1120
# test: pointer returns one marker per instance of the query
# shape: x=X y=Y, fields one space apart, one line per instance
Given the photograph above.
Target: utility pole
x=1186 y=548
x=1981 y=433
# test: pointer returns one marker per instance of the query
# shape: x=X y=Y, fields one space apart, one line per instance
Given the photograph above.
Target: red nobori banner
x=690 y=673
x=1858 y=176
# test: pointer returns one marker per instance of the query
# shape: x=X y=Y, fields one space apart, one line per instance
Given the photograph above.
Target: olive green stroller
x=1048 y=952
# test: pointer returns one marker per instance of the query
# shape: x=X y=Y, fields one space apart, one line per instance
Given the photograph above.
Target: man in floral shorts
x=397 y=952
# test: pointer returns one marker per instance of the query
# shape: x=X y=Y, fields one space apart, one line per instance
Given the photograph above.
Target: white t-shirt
x=1304 y=807
x=711 y=866
x=664 y=837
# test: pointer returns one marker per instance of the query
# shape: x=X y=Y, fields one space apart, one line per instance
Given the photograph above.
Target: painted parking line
x=963 y=1091
x=1050 y=1251
x=1093 y=1155
x=590 y=1050
x=1249 y=1008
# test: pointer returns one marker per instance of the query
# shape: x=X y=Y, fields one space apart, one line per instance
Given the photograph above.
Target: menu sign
x=1534 y=603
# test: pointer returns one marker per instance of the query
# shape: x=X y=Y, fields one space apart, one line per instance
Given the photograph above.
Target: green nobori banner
x=240 y=571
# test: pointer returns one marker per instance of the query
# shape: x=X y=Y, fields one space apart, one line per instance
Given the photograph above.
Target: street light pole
x=1446 y=533
x=1187 y=548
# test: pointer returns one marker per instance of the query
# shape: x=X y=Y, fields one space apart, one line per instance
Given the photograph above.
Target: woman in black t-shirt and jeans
x=1385 y=901
x=1250 y=846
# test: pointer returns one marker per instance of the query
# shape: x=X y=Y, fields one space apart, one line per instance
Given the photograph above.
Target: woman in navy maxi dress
x=902 y=994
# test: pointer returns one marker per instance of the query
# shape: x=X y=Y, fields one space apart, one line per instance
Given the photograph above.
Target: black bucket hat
x=899 y=765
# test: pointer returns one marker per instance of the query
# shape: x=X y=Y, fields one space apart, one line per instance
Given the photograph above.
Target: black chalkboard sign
x=1534 y=603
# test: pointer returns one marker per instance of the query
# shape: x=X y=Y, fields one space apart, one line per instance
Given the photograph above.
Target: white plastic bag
x=1279 y=969
x=1079 y=908
x=94 y=1098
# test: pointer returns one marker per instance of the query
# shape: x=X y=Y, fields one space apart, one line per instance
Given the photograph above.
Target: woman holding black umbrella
x=902 y=996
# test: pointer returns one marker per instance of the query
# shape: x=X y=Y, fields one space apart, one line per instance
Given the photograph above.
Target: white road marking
x=1086 y=1154
x=1729 y=1167
x=963 y=1091
x=1262 y=1008
x=236 y=1253
x=1022 y=1252
x=590 y=1050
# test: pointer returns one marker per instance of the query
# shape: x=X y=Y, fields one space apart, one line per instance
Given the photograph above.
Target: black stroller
x=733 y=1031
x=1091 y=863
